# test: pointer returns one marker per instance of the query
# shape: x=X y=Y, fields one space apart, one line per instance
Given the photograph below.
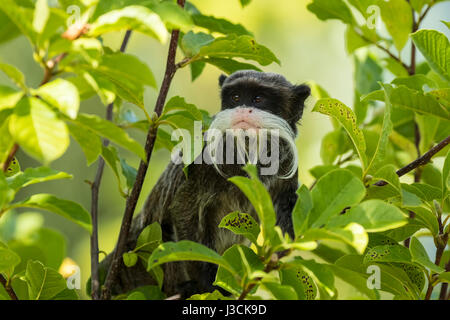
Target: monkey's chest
x=213 y=207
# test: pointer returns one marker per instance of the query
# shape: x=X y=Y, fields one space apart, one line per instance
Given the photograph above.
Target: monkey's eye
x=257 y=99
x=236 y=98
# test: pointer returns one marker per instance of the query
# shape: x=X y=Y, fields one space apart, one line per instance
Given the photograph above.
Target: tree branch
x=419 y=161
x=95 y=279
x=132 y=199
x=8 y=288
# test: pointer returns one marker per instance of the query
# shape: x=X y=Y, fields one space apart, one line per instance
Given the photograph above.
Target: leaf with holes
x=345 y=116
x=241 y=224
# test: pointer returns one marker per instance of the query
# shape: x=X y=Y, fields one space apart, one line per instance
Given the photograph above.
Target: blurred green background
x=309 y=49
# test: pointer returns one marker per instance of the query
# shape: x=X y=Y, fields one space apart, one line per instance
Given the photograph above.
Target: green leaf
x=229 y=66
x=435 y=47
x=219 y=25
x=278 y=291
x=137 y=18
x=35 y=175
x=446 y=177
x=8 y=29
x=111 y=157
x=321 y=274
x=395 y=67
x=245 y=3
x=38 y=130
x=128 y=172
x=397 y=17
x=178 y=103
x=353 y=235
x=215 y=295
x=173 y=15
x=410 y=99
x=300 y=281
x=420 y=256
x=14 y=74
x=61 y=94
x=22 y=17
x=345 y=116
x=332 y=193
x=424 y=191
x=8 y=261
x=354 y=40
x=241 y=224
x=334 y=143
x=185 y=251
x=6 y=141
x=6 y=194
x=43 y=283
x=379 y=156
x=244 y=262
x=427 y=219
x=419 y=4
x=51 y=243
x=415 y=82
x=149 y=238
x=387 y=253
x=428 y=127
x=130 y=259
x=192 y=42
x=9 y=97
x=301 y=210
x=89 y=84
x=110 y=131
x=88 y=141
x=373 y=215
x=325 y=10
x=388 y=174
x=128 y=74
x=14 y=167
x=355 y=279
x=147 y=293
x=234 y=46
x=41 y=15
x=259 y=197
x=65 y=208
x=444 y=277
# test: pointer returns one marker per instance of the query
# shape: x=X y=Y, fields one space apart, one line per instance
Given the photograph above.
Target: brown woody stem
x=95 y=187
x=116 y=263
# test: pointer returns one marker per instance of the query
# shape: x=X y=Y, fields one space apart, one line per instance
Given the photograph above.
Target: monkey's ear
x=222 y=78
x=301 y=92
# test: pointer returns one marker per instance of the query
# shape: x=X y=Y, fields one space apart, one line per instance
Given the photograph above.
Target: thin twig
x=132 y=199
x=10 y=157
x=95 y=187
x=8 y=288
x=419 y=161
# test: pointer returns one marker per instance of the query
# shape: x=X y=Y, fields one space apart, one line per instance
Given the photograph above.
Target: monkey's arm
x=155 y=209
x=284 y=202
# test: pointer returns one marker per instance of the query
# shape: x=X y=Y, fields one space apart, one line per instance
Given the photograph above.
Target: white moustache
x=254 y=125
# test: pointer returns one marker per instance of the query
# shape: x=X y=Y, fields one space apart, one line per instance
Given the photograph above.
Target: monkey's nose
x=244 y=110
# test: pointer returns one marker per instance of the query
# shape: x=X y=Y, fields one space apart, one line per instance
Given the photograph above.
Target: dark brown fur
x=192 y=208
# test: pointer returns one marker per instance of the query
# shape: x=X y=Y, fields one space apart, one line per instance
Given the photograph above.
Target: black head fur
x=276 y=94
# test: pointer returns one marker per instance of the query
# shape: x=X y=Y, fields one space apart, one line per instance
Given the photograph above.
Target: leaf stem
x=424 y=159
x=116 y=263
x=8 y=288
x=95 y=186
x=10 y=157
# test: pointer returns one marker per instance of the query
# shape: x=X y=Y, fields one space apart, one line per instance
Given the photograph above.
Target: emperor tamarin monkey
x=191 y=208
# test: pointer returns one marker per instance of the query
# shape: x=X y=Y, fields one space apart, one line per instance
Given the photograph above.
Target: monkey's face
x=246 y=93
x=253 y=102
